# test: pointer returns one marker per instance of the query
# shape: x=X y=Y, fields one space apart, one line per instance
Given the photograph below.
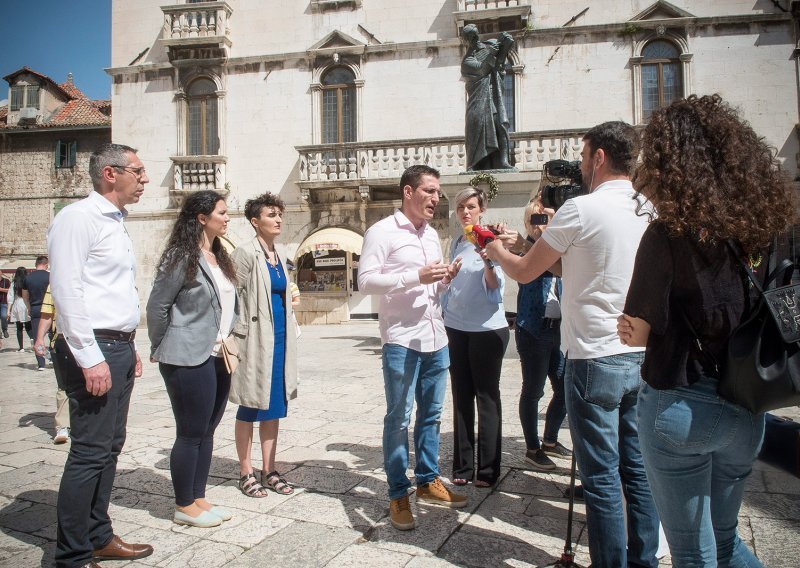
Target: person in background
x=46 y=336
x=5 y=286
x=18 y=311
x=190 y=312
x=477 y=334
x=266 y=379
x=538 y=339
x=712 y=179
x=33 y=290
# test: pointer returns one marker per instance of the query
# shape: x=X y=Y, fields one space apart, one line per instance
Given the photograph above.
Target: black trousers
x=97 y=435
x=476 y=359
x=198 y=396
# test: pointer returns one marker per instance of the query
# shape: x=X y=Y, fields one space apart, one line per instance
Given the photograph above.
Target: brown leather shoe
x=116 y=549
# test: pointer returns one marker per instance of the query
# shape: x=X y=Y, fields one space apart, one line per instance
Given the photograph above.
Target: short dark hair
x=413 y=175
x=620 y=143
x=253 y=207
x=42 y=259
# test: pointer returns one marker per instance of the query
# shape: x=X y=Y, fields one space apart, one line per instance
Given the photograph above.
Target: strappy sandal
x=249 y=485
x=273 y=480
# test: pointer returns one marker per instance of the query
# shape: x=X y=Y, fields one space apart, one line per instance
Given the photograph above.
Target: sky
x=56 y=37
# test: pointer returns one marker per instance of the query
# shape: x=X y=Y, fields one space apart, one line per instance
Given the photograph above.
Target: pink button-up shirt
x=409 y=313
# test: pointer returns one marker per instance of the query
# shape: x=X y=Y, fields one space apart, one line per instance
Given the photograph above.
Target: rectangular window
x=17 y=97
x=24 y=96
x=66 y=153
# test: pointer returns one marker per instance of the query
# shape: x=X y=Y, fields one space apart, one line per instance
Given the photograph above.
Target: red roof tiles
x=77 y=110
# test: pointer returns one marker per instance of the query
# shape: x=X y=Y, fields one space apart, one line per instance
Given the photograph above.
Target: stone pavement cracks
x=330 y=448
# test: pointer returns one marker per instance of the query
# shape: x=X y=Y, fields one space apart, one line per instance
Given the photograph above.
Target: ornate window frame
x=637 y=60
x=182 y=110
x=316 y=95
x=516 y=68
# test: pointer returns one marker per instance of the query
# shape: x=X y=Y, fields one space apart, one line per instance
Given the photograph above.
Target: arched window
x=662 y=81
x=338 y=106
x=202 y=137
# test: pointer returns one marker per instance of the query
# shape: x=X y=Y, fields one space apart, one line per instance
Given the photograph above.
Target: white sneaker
x=40 y=368
x=62 y=436
x=20 y=351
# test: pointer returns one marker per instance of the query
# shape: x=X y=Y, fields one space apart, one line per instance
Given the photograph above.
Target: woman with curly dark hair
x=711 y=179
x=191 y=310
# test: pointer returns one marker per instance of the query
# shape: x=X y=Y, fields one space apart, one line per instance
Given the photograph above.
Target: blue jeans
x=601 y=404
x=409 y=375
x=699 y=450
x=540 y=358
x=3 y=316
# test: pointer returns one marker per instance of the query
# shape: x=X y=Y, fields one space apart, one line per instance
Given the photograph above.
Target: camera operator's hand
x=433 y=272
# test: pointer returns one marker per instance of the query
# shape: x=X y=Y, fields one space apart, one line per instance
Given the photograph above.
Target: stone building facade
x=47 y=133
x=327 y=101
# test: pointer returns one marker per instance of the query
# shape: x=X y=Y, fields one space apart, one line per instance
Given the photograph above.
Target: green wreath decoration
x=486 y=177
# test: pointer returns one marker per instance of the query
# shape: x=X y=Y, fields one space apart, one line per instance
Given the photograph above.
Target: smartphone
x=539 y=219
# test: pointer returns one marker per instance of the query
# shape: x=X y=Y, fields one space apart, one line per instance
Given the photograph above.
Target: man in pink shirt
x=402 y=262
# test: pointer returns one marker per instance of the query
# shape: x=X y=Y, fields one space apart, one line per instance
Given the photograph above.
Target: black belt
x=113 y=335
x=550 y=323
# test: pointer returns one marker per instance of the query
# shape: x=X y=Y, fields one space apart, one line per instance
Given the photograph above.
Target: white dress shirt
x=409 y=313
x=598 y=236
x=92 y=274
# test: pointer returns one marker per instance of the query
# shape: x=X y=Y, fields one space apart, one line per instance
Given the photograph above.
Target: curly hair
x=184 y=241
x=709 y=175
x=253 y=207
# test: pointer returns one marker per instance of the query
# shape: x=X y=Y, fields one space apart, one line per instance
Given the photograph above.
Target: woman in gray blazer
x=266 y=379
x=191 y=309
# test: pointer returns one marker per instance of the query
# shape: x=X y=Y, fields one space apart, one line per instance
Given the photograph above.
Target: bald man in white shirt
x=93 y=282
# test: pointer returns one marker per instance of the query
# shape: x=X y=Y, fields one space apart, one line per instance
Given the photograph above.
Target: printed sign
x=321 y=262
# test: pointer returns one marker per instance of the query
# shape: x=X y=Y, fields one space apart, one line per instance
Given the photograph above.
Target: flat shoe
x=459 y=481
x=204 y=520
x=483 y=484
x=223 y=514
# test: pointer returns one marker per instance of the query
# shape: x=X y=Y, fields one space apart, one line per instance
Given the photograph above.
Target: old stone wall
x=32 y=189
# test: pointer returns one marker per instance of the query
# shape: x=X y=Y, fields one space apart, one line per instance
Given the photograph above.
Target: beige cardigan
x=250 y=383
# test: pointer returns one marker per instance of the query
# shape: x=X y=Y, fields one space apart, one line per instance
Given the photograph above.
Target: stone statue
x=486 y=124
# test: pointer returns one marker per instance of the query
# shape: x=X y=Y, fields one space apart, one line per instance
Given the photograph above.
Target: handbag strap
x=785 y=268
x=707 y=354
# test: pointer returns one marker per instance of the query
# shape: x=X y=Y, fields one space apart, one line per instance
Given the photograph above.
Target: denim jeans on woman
x=601 y=405
x=698 y=451
x=410 y=375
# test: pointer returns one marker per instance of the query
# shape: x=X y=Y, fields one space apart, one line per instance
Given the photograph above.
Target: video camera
x=555 y=194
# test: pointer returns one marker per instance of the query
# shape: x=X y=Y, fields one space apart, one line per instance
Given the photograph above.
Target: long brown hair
x=711 y=176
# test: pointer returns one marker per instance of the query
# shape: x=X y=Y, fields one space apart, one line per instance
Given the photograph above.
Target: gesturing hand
x=452 y=270
x=432 y=272
x=98 y=379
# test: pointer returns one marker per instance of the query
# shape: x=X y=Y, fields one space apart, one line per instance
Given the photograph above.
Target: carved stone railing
x=469 y=5
x=355 y=161
x=195 y=173
x=192 y=21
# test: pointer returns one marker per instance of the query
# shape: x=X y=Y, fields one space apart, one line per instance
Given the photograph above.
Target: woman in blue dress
x=266 y=378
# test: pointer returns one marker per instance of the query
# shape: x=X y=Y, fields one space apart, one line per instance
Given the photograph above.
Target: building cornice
x=43 y=129
x=559 y=32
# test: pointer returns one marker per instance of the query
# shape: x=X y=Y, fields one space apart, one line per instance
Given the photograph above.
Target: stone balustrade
x=388 y=159
x=195 y=173
x=189 y=21
x=472 y=5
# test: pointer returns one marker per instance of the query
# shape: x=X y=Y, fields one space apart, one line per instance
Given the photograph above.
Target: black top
x=36 y=284
x=702 y=280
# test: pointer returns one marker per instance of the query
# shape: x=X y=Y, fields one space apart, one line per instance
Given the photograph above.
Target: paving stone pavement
x=330 y=448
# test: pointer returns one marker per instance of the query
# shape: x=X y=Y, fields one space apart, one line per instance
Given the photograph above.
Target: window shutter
x=57 y=156
x=73 y=151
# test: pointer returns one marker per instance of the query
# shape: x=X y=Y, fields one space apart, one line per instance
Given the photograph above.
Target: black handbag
x=762 y=368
